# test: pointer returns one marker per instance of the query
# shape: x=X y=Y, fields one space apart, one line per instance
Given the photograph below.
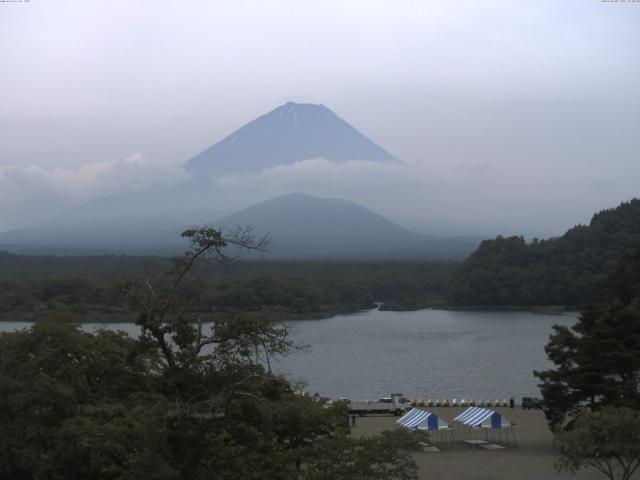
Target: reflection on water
x=424 y=354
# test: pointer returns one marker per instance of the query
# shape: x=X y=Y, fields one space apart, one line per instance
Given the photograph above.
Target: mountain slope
x=319 y=220
x=288 y=134
x=134 y=236
x=569 y=270
x=302 y=226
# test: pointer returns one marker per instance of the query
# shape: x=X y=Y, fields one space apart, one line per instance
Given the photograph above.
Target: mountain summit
x=288 y=134
x=326 y=222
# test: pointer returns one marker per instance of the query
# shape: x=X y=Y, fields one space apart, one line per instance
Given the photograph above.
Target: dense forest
x=568 y=271
x=571 y=270
x=31 y=287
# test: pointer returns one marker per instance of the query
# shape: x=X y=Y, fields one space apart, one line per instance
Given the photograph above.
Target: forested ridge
x=570 y=270
x=31 y=287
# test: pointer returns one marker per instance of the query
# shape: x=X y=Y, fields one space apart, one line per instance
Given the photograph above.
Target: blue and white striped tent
x=478 y=417
x=422 y=420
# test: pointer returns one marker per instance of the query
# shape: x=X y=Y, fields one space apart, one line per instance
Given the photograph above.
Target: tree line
x=282 y=289
x=571 y=270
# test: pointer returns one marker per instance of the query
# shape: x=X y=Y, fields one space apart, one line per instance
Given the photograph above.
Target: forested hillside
x=32 y=287
x=570 y=270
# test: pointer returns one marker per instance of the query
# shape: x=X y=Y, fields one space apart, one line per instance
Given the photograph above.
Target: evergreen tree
x=570 y=270
x=597 y=361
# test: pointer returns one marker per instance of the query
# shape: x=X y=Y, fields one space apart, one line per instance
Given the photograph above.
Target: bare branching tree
x=206 y=369
x=164 y=323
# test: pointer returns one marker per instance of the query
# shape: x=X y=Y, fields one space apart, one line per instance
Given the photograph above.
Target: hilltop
x=569 y=270
x=303 y=227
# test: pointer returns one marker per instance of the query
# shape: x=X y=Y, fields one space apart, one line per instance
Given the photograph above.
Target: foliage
x=570 y=270
x=386 y=456
x=181 y=402
x=597 y=361
x=608 y=440
x=69 y=399
x=32 y=287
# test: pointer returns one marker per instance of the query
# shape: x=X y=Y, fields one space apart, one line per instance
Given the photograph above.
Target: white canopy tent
x=483 y=419
x=423 y=420
x=478 y=417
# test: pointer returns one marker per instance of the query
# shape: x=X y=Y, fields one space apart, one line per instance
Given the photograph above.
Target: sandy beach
x=532 y=458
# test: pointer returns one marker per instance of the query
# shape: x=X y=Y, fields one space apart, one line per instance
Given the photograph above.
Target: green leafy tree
x=186 y=400
x=607 y=440
x=164 y=321
x=597 y=361
x=78 y=405
x=386 y=456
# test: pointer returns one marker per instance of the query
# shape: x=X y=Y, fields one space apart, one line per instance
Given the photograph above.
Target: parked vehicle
x=529 y=403
x=395 y=404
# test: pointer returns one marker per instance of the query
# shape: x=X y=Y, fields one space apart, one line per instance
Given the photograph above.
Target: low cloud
x=34 y=194
x=483 y=197
x=478 y=197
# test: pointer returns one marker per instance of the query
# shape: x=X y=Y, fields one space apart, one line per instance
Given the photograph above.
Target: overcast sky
x=522 y=113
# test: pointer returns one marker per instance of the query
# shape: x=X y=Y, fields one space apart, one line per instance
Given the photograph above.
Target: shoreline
x=102 y=317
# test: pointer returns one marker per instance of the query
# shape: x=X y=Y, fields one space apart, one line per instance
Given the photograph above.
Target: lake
x=423 y=354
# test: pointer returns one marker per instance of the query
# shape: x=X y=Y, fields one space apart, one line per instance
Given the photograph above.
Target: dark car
x=529 y=403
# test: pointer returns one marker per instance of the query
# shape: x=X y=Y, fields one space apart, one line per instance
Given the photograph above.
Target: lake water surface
x=424 y=354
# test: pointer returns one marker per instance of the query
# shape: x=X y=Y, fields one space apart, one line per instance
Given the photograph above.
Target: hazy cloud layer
x=518 y=113
x=466 y=197
x=169 y=79
x=473 y=197
x=32 y=194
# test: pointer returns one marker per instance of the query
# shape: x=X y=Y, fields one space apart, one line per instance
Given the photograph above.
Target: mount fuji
x=290 y=133
x=301 y=226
